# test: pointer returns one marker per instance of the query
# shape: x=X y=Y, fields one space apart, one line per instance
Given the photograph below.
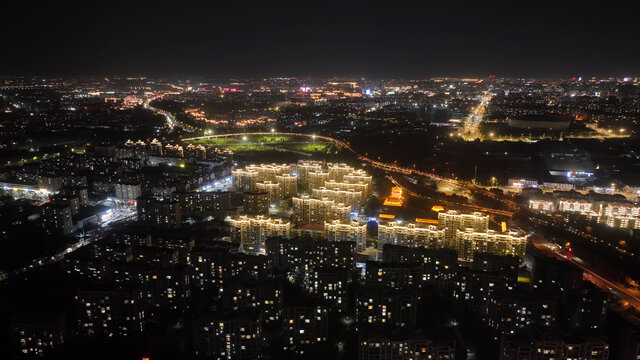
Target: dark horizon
x=542 y=40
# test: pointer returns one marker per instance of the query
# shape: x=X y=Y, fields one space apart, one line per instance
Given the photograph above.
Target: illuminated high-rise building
x=252 y=231
x=360 y=177
x=288 y=185
x=197 y=152
x=619 y=210
x=274 y=179
x=452 y=221
x=353 y=231
x=338 y=171
x=268 y=172
x=318 y=178
x=311 y=210
x=468 y=242
x=173 y=151
x=245 y=180
x=363 y=188
x=410 y=235
x=541 y=205
x=304 y=167
x=271 y=188
x=350 y=197
x=575 y=206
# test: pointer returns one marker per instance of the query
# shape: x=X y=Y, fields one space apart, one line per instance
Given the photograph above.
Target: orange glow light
x=427 y=221
x=395 y=199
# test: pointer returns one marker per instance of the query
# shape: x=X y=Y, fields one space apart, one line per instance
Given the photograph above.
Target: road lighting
x=273 y=130
x=244 y=138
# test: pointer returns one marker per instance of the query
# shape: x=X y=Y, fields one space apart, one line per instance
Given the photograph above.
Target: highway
x=470 y=207
x=89 y=238
x=612 y=286
x=471 y=126
x=171 y=121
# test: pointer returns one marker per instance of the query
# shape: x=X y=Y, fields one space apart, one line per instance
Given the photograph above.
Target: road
x=471 y=126
x=612 y=286
x=171 y=121
x=90 y=237
x=217 y=185
x=470 y=207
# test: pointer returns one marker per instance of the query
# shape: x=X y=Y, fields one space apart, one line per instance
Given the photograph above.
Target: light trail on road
x=614 y=287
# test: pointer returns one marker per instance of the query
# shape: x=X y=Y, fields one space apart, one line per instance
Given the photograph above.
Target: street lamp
x=273 y=130
x=244 y=138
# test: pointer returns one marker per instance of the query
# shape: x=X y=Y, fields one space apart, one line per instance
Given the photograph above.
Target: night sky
x=321 y=38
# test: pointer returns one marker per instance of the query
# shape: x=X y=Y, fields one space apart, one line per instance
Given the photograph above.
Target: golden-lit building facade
x=173 y=151
x=452 y=221
x=619 y=210
x=469 y=242
x=288 y=185
x=575 y=206
x=338 y=171
x=268 y=172
x=348 y=197
x=311 y=210
x=351 y=231
x=271 y=188
x=541 y=205
x=276 y=179
x=360 y=176
x=410 y=235
x=245 y=180
x=252 y=231
x=303 y=167
x=362 y=187
x=318 y=178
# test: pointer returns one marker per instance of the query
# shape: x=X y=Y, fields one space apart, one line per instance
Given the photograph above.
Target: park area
x=251 y=143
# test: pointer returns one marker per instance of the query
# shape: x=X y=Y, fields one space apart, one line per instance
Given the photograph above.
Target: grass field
x=314 y=147
x=212 y=141
x=266 y=143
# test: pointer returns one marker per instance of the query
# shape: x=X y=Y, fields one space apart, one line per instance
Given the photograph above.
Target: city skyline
x=320 y=180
